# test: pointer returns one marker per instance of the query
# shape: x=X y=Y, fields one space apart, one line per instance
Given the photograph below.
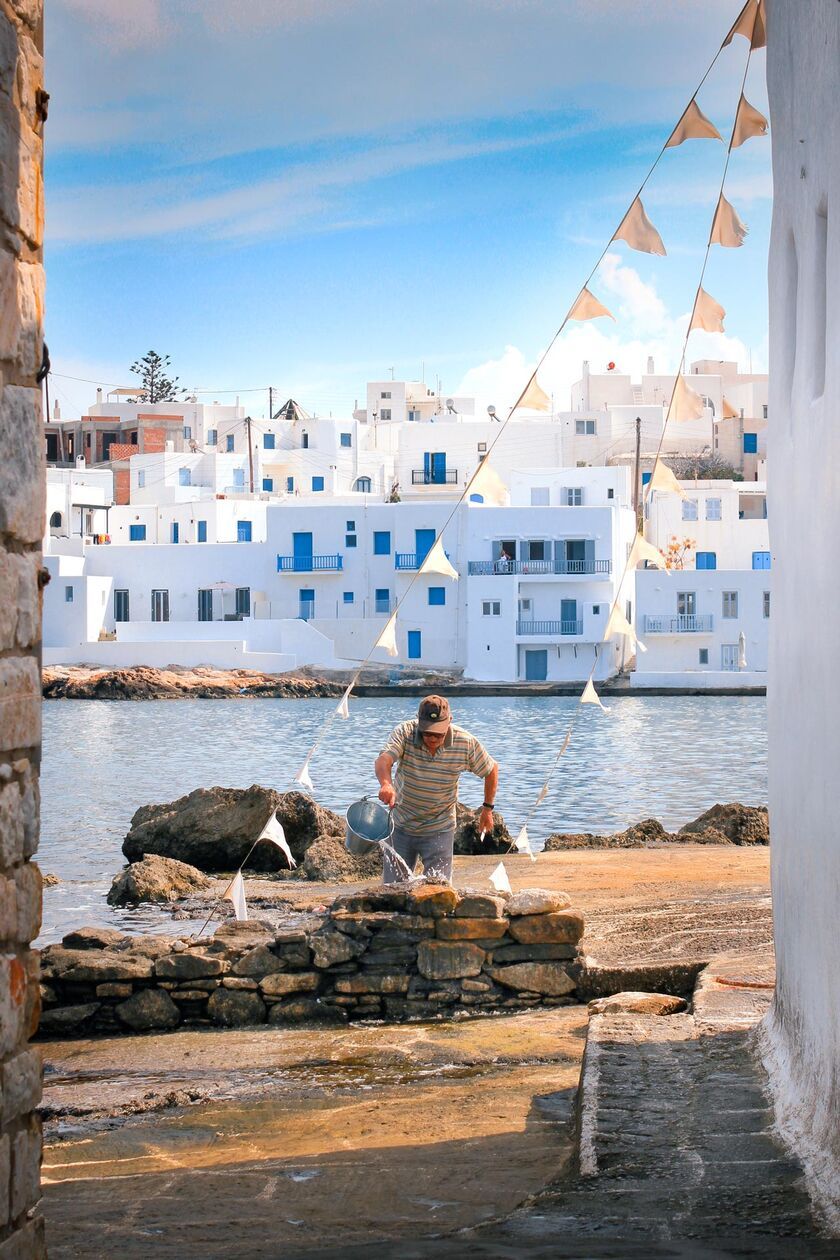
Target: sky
x=311 y=194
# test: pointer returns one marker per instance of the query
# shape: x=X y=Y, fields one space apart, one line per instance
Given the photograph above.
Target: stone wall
x=22 y=112
x=389 y=953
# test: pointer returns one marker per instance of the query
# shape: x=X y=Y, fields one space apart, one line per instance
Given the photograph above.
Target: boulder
x=455 y=929
x=328 y=861
x=373 y=899
x=561 y=927
x=155 y=879
x=234 y=1008
x=467 y=833
x=188 y=966
x=449 y=960
x=549 y=978
x=237 y=937
x=98 y=966
x=149 y=1008
x=536 y=901
x=432 y=899
x=739 y=824
x=330 y=947
x=214 y=828
x=259 y=961
x=638 y=1004
x=480 y=905
x=283 y=982
x=373 y=982
x=93 y=938
x=66 y=1020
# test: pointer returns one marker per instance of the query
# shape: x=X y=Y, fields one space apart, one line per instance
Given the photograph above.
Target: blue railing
x=680 y=623
x=489 y=568
x=549 y=627
x=382 y=606
x=409 y=560
x=310 y=564
x=422 y=477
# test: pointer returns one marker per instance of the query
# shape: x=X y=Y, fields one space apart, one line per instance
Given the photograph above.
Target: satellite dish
x=491 y=411
x=450 y=402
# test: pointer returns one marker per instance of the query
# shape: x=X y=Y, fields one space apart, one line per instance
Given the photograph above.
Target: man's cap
x=434 y=716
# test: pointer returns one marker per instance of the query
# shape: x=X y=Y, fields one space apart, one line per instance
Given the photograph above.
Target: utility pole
x=638 y=468
x=250 y=452
x=271 y=402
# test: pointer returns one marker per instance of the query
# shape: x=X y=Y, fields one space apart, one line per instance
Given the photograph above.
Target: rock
x=372 y=899
x=234 y=1008
x=305 y=1010
x=155 y=879
x=148 y=946
x=549 y=978
x=64 y=1020
x=328 y=861
x=390 y=958
x=432 y=899
x=449 y=960
x=561 y=927
x=330 y=947
x=189 y=966
x=532 y=953
x=283 y=982
x=638 y=1004
x=149 y=1008
x=370 y=982
x=476 y=986
x=213 y=828
x=536 y=901
x=258 y=962
x=189 y=995
x=239 y=982
x=470 y=929
x=50 y=881
x=480 y=905
x=145 y=682
x=467 y=833
x=237 y=937
x=93 y=938
x=101 y=965
x=740 y=824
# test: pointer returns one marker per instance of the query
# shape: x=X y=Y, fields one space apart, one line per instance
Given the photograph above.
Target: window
x=212 y=437
x=437 y=596
x=205 y=605
x=317 y=483
x=346 y=439
x=386 y=393
x=482 y=448
x=141 y=480
x=239 y=478
x=540 y=496
x=229 y=442
x=574 y=496
x=385 y=414
x=160 y=605
x=120 y=605
x=306 y=603
x=766 y=604
x=415 y=648
x=610 y=492
x=491 y=608
x=243 y=531
x=730 y=604
x=348 y=597
x=68 y=595
x=713 y=507
x=268 y=441
x=184 y=477
x=55 y=520
x=137 y=533
x=187 y=432
x=706 y=560
x=290 y=485
x=176 y=532
x=350 y=540
x=382 y=601
x=703 y=656
x=304 y=441
x=268 y=484
x=382 y=542
x=686 y=603
x=750 y=443
x=764 y=411
x=351 y=525
x=362 y=485
x=413 y=414
x=585 y=427
x=689 y=510
x=646 y=476
x=596 y=610
x=761 y=560
x=201 y=527
x=729 y=655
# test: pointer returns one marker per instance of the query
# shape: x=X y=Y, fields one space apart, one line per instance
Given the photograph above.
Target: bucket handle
x=368 y=797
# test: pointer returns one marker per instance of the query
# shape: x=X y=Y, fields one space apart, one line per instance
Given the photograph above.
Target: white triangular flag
x=728 y=412
x=487 y=482
x=748 y=123
x=499 y=879
x=587 y=306
x=750 y=24
x=437 y=562
x=643 y=550
x=742 y=651
x=590 y=696
x=638 y=232
x=535 y=398
x=686 y=403
x=542 y=794
x=708 y=314
x=727 y=229
x=617 y=623
x=343 y=710
x=662 y=478
x=273 y=831
x=236 y=894
x=694 y=125
x=302 y=777
x=522 y=844
x=388 y=637
x=566 y=743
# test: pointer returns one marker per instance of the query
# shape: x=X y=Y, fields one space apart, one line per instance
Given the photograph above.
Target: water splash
x=399 y=863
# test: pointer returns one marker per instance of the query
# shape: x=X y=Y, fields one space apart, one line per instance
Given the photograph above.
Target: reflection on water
x=663 y=757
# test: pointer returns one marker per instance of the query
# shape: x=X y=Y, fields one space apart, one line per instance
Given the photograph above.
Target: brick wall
x=122 y=486
x=22 y=107
x=153 y=440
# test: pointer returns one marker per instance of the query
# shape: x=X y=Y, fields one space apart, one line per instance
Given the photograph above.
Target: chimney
x=585 y=384
x=99 y=394
x=650 y=370
x=56 y=411
x=80 y=461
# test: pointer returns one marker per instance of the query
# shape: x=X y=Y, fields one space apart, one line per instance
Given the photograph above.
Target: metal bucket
x=366 y=823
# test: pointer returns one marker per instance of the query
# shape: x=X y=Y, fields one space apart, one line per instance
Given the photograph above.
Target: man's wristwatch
x=487 y=805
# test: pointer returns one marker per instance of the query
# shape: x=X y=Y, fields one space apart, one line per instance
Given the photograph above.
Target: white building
x=79 y=501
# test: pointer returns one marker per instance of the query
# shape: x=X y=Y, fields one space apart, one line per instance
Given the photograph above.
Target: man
x=430 y=754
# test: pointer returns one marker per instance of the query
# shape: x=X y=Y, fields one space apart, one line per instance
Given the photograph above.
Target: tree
x=705 y=467
x=677 y=551
x=157 y=386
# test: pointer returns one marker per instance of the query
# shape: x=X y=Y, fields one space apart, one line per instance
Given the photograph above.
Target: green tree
x=157 y=387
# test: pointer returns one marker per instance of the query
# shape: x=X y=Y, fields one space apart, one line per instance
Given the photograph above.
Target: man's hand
x=485 y=821
x=388 y=795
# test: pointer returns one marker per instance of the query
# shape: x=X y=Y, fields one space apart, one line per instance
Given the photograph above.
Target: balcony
x=532 y=568
x=446 y=477
x=409 y=561
x=552 y=628
x=681 y=623
x=310 y=564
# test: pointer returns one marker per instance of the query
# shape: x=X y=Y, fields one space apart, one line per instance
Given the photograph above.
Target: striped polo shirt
x=427 y=786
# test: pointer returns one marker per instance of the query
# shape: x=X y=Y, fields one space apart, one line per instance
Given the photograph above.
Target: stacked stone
x=391 y=953
x=22 y=112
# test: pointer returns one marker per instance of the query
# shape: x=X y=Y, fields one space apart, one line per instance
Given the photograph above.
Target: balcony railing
x=549 y=627
x=310 y=564
x=489 y=568
x=447 y=477
x=681 y=623
x=410 y=560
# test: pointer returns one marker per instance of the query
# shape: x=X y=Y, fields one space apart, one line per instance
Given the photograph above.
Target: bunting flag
x=542 y=794
x=662 y=478
x=437 y=562
x=638 y=232
x=273 y=831
x=590 y=696
x=303 y=778
x=388 y=637
x=618 y=624
x=566 y=743
x=750 y=24
x=587 y=306
x=343 y=710
x=686 y=403
x=236 y=894
x=748 y=123
x=643 y=550
x=694 y=125
x=535 y=398
x=708 y=314
x=523 y=844
x=728 y=412
x=487 y=482
x=727 y=229
x=499 y=879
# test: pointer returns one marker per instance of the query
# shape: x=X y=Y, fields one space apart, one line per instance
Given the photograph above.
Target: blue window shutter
x=750 y=443
x=437 y=595
x=268 y=441
x=706 y=560
x=290 y=485
x=646 y=478
x=268 y=483
x=382 y=542
x=414 y=645
x=349 y=597
x=229 y=442
x=761 y=560
x=317 y=483
x=175 y=532
x=346 y=439
x=202 y=531
x=137 y=533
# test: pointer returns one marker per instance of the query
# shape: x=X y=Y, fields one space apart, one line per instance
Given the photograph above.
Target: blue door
x=306 y=604
x=568 y=616
x=439 y=468
x=175 y=532
x=423 y=543
x=302 y=553
x=414 y=645
x=243 y=531
x=536 y=664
